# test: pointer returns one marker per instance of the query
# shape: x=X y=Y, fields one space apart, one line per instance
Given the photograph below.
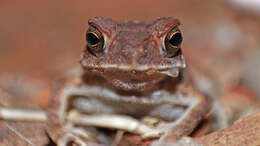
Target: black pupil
x=92 y=39
x=176 y=39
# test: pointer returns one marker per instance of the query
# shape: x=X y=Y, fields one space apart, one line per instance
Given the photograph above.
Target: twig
x=22 y=115
x=121 y=122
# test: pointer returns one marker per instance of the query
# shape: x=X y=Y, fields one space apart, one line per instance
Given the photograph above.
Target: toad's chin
x=132 y=85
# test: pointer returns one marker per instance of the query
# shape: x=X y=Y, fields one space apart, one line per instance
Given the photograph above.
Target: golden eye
x=172 y=43
x=95 y=41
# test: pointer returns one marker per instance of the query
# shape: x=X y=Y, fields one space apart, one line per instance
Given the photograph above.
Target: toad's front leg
x=197 y=107
x=59 y=128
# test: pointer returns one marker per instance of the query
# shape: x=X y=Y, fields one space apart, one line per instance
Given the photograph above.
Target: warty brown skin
x=132 y=75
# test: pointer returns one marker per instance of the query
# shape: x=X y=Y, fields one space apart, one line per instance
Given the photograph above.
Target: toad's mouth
x=177 y=62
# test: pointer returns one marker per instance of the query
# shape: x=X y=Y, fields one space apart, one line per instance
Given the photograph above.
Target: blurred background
x=39 y=40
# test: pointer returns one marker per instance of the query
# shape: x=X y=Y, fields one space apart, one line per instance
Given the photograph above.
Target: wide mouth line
x=135 y=68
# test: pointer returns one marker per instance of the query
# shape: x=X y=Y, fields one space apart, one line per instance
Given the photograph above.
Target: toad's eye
x=173 y=42
x=95 y=41
x=92 y=38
